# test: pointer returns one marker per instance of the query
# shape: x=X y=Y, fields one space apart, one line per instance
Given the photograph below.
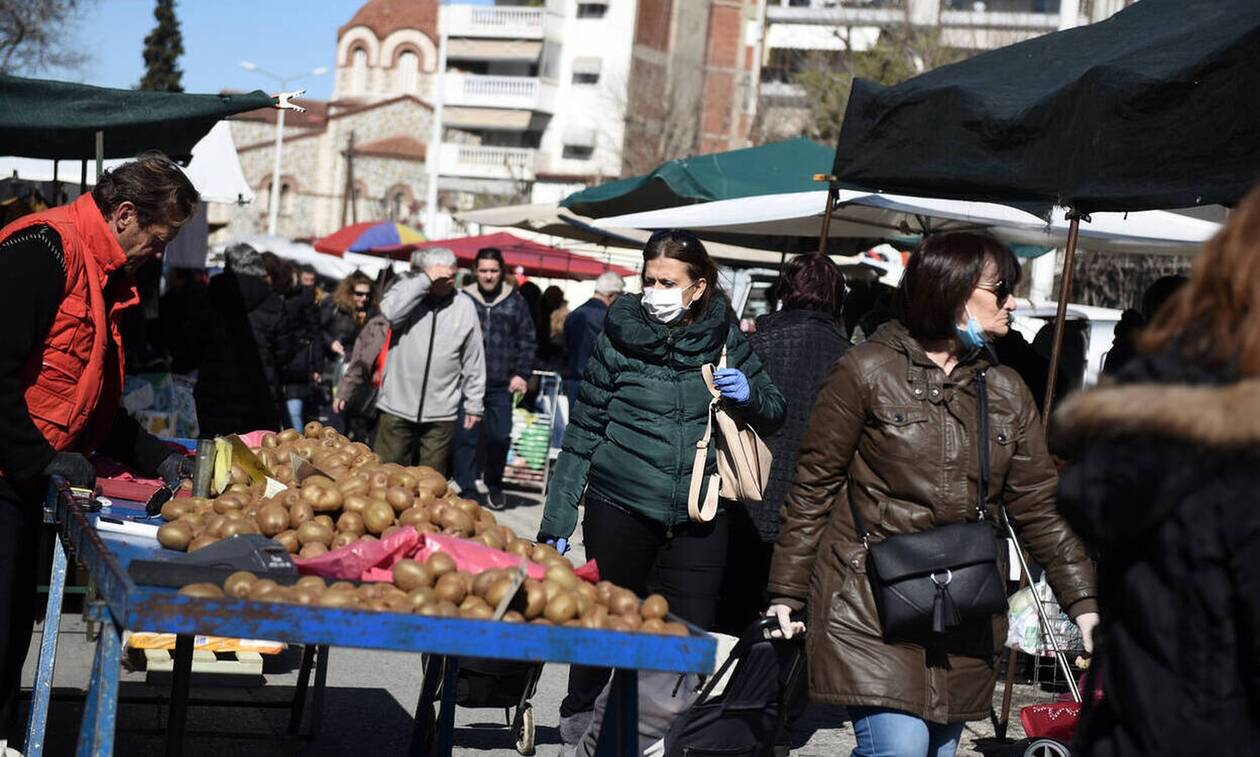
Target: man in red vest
x=66 y=276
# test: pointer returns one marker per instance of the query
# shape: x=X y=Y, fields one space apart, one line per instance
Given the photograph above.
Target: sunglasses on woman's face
x=361 y=294
x=1001 y=290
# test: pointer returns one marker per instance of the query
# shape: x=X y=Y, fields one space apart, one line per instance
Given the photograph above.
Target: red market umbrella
x=536 y=259
x=394 y=240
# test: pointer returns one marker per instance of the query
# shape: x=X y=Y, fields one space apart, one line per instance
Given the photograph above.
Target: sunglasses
x=1001 y=290
x=362 y=294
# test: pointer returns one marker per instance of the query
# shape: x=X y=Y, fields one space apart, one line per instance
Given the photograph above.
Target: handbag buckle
x=949 y=576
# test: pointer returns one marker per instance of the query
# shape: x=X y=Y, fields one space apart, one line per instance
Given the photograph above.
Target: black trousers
x=743 y=599
x=21 y=514
x=634 y=552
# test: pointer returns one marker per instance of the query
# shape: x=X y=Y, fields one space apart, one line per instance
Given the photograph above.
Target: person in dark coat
x=584 y=325
x=1164 y=466
x=511 y=344
x=301 y=325
x=243 y=344
x=341 y=317
x=797 y=345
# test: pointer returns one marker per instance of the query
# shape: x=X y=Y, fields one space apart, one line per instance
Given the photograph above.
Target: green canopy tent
x=63 y=121
x=787 y=166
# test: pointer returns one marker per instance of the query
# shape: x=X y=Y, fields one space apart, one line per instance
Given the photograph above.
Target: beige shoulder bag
x=743 y=460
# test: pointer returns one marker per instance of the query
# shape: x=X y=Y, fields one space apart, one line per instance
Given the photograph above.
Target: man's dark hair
x=940 y=277
x=154 y=184
x=491 y=253
x=307 y=268
x=812 y=282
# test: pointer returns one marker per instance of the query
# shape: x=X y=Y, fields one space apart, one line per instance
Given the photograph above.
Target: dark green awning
x=59 y=120
x=787 y=166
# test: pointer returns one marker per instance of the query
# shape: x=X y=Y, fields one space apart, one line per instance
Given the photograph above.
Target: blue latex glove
x=561 y=544
x=732 y=383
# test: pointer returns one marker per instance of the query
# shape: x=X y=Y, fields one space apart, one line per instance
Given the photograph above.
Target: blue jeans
x=484 y=448
x=294 y=408
x=890 y=733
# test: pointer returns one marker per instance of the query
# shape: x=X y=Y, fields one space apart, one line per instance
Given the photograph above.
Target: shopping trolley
x=534 y=438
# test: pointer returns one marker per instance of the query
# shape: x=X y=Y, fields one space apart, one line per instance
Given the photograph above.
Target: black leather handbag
x=940 y=578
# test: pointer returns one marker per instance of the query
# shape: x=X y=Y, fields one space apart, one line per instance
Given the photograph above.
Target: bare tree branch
x=36 y=35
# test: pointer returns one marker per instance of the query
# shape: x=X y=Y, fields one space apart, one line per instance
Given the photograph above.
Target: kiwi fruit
x=341 y=586
x=676 y=629
x=174 y=509
x=289 y=435
x=357 y=502
x=623 y=602
x=314 y=532
x=617 y=623
x=262 y=588
x=288 y=539
x=176 y=536
x=272 y=519
x=441 y=564
x=498 y=590
x=312 y=429
x=450 y=587
x=239 y=583
x=478 y=612
x=414 y=517
x=337 y=599
x=351 y=522
x=561 y=609
x=410 y=575
x=655 y=607
x=299 y=514
x=204 y=540
x=313 y=549
x=512 y=616
x=484 y=580
x=378 y=516
x=343 y=539
x=653 y=625
x=535 y=600
x=399 y=498
x=563 y=576
x=326 y=520
x=421 y=597
x=203 y=590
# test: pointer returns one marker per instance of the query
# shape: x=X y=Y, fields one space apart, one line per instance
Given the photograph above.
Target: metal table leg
x=446 y=715
x=299 y=697
x=181 y=677
x=619 y=734
x=422 y=732
x=96 y=733
x=41 y=692
x=321 y=681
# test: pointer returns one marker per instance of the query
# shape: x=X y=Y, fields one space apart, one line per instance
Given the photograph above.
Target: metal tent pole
x=832 y=196
x=1060 y=319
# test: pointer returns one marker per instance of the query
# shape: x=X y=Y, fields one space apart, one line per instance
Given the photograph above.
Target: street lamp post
x=273 y=208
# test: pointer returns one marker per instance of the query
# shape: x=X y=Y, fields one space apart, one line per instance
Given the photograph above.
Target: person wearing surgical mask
x=894 y=442
x=631 y=441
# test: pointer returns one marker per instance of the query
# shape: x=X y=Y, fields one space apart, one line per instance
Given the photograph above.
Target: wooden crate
x=206 y=662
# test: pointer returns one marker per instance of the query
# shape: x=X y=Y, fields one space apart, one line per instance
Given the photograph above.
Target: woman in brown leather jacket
x=893 y=434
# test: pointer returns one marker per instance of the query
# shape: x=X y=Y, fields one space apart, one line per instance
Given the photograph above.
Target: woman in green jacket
x=631 y=439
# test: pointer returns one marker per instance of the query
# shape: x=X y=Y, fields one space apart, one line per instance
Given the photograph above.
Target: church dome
x=386 y=16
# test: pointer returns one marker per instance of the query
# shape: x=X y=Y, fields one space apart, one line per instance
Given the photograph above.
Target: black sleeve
x=130 y=444
x=32 y=278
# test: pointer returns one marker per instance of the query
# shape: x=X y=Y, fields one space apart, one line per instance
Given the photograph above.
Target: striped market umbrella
x=387 y=238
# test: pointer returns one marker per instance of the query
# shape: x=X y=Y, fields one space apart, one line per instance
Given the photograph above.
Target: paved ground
x=370 y=703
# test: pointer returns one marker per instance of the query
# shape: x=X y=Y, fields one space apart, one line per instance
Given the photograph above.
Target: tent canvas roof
x=537 y=259
x=1150 y=109
x=787 y=166
x=59 y=120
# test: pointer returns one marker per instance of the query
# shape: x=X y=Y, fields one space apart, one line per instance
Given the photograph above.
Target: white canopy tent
x=861 y=214
x=215 y=169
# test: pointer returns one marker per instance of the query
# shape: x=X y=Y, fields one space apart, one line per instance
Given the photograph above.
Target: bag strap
x=982 y=440
x=697 y=511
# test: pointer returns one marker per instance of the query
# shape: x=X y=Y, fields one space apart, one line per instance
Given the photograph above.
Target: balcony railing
x=516 y=92
x=500 y=22
x=483 y=162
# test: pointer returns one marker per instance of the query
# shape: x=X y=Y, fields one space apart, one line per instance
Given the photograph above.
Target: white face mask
x=665 y=305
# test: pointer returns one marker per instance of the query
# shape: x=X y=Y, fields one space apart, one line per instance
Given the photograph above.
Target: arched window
x=408 y=68
x=286 y=199
x=358 y=71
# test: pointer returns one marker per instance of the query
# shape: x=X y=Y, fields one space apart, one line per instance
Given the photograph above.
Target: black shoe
x=496 y=500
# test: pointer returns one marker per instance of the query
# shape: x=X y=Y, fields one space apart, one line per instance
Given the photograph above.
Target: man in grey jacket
x=436 y=360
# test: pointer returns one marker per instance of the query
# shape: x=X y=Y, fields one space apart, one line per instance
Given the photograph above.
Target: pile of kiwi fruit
x=436 y=588
x=360 y=498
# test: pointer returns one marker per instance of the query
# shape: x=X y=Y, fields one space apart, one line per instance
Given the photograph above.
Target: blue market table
x=123 y=604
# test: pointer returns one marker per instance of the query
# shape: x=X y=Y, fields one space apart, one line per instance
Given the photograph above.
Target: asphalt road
x=371 y=699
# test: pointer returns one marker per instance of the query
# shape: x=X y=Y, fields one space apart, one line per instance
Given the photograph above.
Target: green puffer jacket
x=632 y=433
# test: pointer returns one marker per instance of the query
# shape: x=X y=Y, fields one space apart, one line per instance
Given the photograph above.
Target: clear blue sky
x=283 y=36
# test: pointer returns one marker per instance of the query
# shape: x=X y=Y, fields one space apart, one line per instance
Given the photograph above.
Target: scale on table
x=256 y=553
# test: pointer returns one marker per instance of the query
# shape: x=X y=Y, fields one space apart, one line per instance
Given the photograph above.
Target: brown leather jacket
x=893 y=434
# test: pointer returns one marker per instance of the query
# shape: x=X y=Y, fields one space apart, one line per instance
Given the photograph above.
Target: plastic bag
x=1024 y=628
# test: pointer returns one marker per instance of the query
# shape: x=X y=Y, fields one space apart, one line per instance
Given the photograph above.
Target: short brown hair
x=812 y=282
x=154 y=184
x=1215 y=316
x=940 y=277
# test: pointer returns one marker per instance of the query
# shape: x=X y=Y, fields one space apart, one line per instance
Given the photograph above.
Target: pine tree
x=162 y=49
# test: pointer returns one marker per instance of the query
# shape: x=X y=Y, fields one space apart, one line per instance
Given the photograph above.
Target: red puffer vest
x=74 y=382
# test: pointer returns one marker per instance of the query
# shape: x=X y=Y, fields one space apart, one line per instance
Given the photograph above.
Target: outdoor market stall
x=136 y=579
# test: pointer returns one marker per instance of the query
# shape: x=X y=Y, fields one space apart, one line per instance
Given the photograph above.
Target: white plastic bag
x=1024 y=628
